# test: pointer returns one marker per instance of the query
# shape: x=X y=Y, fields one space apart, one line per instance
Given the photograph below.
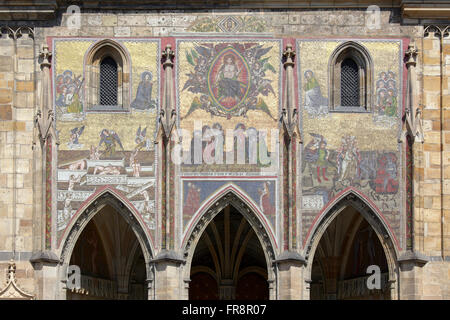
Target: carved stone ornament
x=45 y=118
x=12 y=291
x=413 y=114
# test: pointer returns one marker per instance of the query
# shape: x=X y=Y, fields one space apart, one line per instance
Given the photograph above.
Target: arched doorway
x=108 y=244
x=345 y=244
x=110 y=259
x=229 y=261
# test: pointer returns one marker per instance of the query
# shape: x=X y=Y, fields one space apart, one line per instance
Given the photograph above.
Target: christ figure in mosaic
x=227 y=77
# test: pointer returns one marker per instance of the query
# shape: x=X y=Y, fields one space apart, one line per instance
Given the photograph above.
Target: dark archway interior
x=229 y=262
x=110 y=259
x=345 y=251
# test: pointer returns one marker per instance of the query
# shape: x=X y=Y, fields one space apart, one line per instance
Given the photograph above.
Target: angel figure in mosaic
x=110 y=138
x=265 y=201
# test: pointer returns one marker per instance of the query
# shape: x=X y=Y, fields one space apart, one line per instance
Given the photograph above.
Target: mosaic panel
x=343 y=150
x=196 y=192
x=98 y=149
x=228 y=85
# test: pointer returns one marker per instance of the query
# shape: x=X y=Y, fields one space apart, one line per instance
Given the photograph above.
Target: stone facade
x=61 y=158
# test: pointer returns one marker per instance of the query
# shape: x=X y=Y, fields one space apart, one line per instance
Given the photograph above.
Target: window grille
x=108 y=82
x=349 y=84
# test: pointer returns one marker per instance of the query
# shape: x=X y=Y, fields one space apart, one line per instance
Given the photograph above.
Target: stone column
x=288 y=155
x=17 y=96
x=167 y=133
x=45 y=266
x=290 y=272
x=168 y=275
x=44 y=260
x=411 y=276
x=227 y=290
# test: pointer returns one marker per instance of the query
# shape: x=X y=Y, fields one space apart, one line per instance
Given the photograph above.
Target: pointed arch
x=368 y=210
x=105 y=196
x=361 y=202
x=240 y=196
x=233 y=196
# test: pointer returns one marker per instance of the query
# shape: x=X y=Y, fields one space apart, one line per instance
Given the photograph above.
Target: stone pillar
x=17 y=97
x=227 y=290
x=7 y=130
x=290 y=272
x=411 y=276
x=45 y=266
x=288 y=154
x=168 y=275
x=431 y=184
x=446 y=145
x=166 y=138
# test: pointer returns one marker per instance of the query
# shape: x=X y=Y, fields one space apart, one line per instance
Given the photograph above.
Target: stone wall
x=21 y=185
x=17 y=103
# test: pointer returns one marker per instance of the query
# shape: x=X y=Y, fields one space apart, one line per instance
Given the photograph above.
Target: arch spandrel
x=103 y=197
x=228 y=194
x=361 y=203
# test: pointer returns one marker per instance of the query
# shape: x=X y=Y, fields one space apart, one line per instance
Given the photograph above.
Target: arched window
x=108 y=82
x=350 y=78
x=349 y=83
x=107 y=76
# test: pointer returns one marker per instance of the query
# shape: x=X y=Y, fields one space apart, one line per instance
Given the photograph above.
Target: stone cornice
x=234 y=4
x=47 y=9
x=290 y=257
x=168 y=256
x=27 y=9
x=413 y=257
x=434 y=10
x=44 y=257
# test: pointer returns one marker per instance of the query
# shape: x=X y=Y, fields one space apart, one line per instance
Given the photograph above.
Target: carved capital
x=45 y=56
x=167 y=56
x=289 y=56
x=411 y=55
